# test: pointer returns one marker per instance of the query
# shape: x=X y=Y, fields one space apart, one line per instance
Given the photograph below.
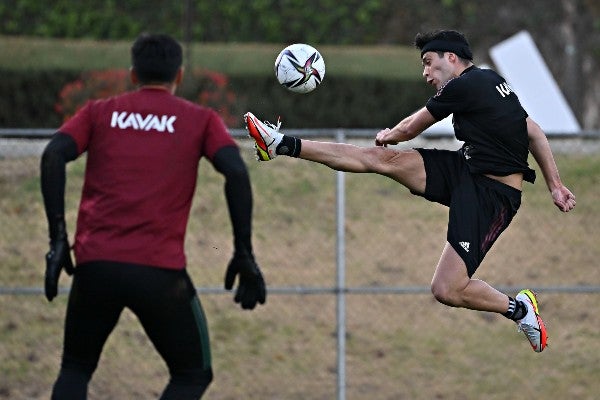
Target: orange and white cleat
x=532 y=325
x=265 y=135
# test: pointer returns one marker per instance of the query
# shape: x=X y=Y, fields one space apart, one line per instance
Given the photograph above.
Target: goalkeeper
x=143 y=149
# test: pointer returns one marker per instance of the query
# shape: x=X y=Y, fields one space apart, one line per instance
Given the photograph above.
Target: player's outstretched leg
x=531 y=324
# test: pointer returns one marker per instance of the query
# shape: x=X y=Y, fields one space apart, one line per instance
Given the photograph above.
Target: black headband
x=460 y=49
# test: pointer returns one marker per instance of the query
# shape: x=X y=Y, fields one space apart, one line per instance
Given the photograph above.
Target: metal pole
x=341 y=280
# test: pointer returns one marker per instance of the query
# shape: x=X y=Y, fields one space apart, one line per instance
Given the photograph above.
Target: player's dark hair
x=156 y=58
x=442 y=41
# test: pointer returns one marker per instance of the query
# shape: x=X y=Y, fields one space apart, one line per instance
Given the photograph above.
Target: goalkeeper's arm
x=239 y=196
x=251 y=285
x=60 y=150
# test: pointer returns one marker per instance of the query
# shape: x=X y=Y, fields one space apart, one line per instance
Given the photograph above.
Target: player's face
x=436 y=70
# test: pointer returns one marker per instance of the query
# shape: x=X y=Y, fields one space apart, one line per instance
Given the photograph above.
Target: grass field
x=399 y=346
x=35 y=54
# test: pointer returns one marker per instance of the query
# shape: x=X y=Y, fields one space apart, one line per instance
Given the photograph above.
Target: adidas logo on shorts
x=465 y=245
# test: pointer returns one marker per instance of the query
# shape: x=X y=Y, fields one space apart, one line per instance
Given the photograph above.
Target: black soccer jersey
x=489 y=119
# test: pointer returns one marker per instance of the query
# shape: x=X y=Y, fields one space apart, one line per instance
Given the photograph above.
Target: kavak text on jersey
x=125 y=120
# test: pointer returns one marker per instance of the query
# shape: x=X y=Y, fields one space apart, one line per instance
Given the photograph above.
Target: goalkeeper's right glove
x=57 y=258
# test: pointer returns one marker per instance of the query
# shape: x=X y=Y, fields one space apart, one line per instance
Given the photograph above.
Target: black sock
x=516 y=309
x=289 y=146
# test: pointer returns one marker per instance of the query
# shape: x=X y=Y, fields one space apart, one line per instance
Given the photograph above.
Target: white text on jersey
x=125 y=120
x=504 y=89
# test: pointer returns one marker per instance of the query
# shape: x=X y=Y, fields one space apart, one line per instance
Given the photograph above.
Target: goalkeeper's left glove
x=57 y=258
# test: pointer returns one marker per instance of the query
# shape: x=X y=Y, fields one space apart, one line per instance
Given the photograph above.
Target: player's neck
x=463 y=68
x=167 y=87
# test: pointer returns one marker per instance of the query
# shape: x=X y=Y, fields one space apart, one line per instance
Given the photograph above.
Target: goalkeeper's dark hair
x=156 y=58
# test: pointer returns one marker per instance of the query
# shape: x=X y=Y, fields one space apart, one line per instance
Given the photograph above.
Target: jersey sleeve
x=79 y=127
x=216 y=136
x=451 y=98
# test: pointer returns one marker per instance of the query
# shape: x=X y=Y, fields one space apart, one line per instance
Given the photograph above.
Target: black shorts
x=165 y=302
x=480 y=207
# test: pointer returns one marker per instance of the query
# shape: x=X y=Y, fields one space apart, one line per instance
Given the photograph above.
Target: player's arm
x=238 y=192
x=407 y=129
x=60 y=150
x=540 y=149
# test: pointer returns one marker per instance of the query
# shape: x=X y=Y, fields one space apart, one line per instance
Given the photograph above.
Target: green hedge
x=339 y=102
x=30 y=99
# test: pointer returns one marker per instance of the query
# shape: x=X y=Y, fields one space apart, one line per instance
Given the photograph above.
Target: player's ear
x=179 y=76
x=133 y=76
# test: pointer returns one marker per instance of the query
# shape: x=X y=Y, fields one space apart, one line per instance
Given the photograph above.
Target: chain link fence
x=348 y=259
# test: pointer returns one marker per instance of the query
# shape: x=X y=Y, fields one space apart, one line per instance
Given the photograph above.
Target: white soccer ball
x=300 y=68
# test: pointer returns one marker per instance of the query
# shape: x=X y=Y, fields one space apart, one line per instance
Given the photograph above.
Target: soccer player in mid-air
x=481 y=183
x=143 y=148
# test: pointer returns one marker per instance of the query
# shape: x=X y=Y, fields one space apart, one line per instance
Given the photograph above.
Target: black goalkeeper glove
x=251 y=286
x=57 y=258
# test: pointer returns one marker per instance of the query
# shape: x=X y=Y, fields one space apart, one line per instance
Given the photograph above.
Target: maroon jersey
x=143 y=149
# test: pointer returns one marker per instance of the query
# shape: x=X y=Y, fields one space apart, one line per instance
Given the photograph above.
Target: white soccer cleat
x=265 y=135
x=532 y=325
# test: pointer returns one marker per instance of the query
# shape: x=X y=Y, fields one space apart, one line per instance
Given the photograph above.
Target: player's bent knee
x=444 y=295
